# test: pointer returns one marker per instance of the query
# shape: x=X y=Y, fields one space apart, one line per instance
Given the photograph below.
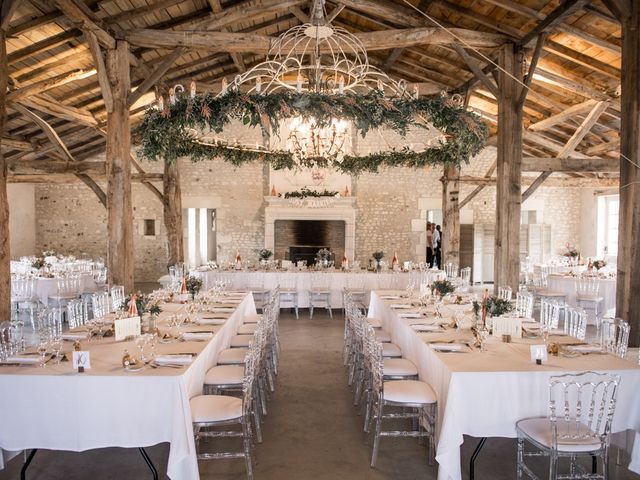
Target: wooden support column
x=628 y=284
x=5 y=253
x=508 y=188
x=119 y=209
x=172 y=207
x=450 y=216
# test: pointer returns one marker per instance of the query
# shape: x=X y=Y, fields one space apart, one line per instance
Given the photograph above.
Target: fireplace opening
x=297 y=240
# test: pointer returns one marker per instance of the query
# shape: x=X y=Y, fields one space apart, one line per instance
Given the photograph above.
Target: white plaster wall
x=22 y=219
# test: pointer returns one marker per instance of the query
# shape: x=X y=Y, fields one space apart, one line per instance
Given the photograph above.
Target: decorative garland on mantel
x=167 y=133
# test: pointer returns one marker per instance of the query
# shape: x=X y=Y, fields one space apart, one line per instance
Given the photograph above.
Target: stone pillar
x=450 y=216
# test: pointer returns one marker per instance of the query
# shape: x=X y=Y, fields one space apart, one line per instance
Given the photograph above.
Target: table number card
x=126 y=327
x=539 y=352
x=81 y=360
x=507 y=326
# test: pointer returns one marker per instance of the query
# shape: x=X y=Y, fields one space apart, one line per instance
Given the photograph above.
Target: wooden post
x=628 y=281
x=450 y=216
x=172 y=206
x=508 y=188
x=5 y=253
x=119 y=209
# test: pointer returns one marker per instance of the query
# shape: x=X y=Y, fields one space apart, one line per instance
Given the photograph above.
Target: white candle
x=341 y=84
x=299 y=83
x=161 y=103
x=224 y=85
x=192 y=88
x=258 y=84
x=172 y=96
x=416 y=90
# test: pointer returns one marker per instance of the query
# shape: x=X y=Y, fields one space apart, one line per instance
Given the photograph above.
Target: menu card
x=126 y=327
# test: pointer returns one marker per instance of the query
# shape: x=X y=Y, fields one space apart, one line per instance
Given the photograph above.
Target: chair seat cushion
x=232 y=356
x=409 y=391
x=241 y=341
x=398 y=367
x=589 y=298
x=374 y=322
x=383 y=336
x=224 y=375
x=247 y=329
x=391 y=350
x=539 y=430
x=545 y=292
x=254 y=318
x=69 y=296
x=215 y=408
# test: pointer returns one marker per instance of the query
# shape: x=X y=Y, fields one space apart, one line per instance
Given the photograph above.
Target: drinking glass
x=56 y=346
x=42 y=348
x=544 y=333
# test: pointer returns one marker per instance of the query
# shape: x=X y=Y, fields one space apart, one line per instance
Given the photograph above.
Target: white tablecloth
x=46 y=287
x=58 y=409
x=485 y=394
x=567 y=285
x=338 y=281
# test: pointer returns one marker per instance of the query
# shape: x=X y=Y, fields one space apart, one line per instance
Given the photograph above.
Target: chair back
x=77 y=314
x=388 y=281
x=22 y=288
x=587 y=286
x=575 y=322
x=451 y=269
x=100 y=276
x=100 y=304
x=540 y=279
x=549 y=313
x=288 y=281
x=355 y=282
x=614 y=336
x=465 y=278
x=581 y=407
x=68 y=286
x=49 y=322
x=117 y=297
x=255 y=281
x=11 y=339
x=505 y=293
x=320 y=282
x=524 y=305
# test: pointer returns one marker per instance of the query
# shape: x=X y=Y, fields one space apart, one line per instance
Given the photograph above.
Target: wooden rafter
x=570 y=112
x=76 y=12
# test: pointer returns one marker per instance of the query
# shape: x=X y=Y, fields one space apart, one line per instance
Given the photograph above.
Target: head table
x=484 y=394
x=338 y=280
x=59 y=409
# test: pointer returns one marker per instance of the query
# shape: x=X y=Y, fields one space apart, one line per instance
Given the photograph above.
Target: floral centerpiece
x=264 y=255
x=571 y=252
x=305 y=192
x=496 y=307
x=322 y=257
x=144 y=304
x=38 y=263
x=443 y=287
x=194 y=284
x=598 y=264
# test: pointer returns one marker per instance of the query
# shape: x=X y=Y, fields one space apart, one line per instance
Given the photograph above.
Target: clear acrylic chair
x=77 y=313
x=541 y=288
x=320 y=292
x=49 y=322
x=23 y=293
x=451 y=269
x=505 y=293
x=117 y=297
x=581 y=407
x=550 y=314
x=575 y=322
x=68 y=288
x=288 y=286
x=100 y=304
x=355 y=287
x=524 y=305
x=588 y=295
x=614 y=336
x=388 y=281
x=255 y=284
x=465 y=279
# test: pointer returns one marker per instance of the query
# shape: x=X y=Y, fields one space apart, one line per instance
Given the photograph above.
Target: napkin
x=222 y=309
x=447 y=347
x=400 y=305
x=73 y=336
x=31 y=359
x=585 y=348
x=173 y=359
x=390 y=297
x=196 y=336
x=210 y=321
x=410 y=315
x=426 y=328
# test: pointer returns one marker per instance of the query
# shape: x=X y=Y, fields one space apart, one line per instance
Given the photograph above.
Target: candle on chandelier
x=161 y=103
x=416 y=91
x=341 y=84
x=172 y=96
x=299 y=83
x=192 y=89
x=224 y=85
x=258 y=84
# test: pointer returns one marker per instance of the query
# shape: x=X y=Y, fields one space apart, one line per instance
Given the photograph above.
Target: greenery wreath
x=167 y=134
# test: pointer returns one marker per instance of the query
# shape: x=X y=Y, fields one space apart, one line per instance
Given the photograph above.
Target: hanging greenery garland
x=167 y=134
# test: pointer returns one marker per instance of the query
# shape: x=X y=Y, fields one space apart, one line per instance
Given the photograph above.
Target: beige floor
x=312 y=430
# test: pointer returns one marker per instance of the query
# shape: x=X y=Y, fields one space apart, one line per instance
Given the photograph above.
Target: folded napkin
x=401 y=305
x=73 y=336
x=27 y=359
x=173 y=359
x=410 y=315
x=585 y=348
x=390 y=297
x=196 y=336
x=558 y=332
x=447 y=347
x=210 y=321
x=426 y=328
x=222 y=309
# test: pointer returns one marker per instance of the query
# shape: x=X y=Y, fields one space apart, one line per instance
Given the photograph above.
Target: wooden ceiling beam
x=133 y=14
x=48 y=84
x=76 y=12
x=564 y=115
x=613 y=146
x=477 y=71
x=56 y=109
x=157 y=73
x=565 y=164
x=243 y=12
x=43 y=45
x=7 y=10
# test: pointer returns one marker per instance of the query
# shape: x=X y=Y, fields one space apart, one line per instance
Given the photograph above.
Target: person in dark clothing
x=437 y=240
x=430 y=250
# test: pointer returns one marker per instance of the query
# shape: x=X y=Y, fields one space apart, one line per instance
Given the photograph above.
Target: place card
x=126 y=327
x=539 y=354
x=507 y=326
x=81 y=360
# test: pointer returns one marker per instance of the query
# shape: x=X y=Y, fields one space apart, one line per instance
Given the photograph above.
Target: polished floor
x=312 y=430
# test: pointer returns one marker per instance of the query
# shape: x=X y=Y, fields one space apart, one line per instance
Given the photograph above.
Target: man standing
x=430 y=251
x=437 y=245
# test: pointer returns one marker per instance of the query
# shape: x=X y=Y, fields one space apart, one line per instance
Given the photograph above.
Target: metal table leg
x=150 y=464
x=474 y=455
x=23 y=471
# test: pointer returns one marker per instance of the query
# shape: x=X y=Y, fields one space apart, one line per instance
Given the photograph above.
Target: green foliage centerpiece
x=442 y=287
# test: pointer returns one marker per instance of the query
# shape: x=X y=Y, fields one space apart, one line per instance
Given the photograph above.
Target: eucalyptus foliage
x=167 y=134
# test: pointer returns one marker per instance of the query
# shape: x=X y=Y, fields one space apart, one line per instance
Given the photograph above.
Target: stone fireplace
x=297 y=229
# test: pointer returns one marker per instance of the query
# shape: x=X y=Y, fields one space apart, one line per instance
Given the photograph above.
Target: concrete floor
x=312 y=430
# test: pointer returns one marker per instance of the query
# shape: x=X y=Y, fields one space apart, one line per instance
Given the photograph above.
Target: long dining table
x=57 y=408
x=484 y=394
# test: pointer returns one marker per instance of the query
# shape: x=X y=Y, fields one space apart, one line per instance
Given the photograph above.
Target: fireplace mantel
x=311 y=208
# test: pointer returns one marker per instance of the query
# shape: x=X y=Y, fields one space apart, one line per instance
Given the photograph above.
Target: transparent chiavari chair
x=388 y=281
x=68 y=289
x=542 y=290
x=614 y=336
x=288 y=287
x=524 y=305
x=12 y=339
x=505 y=293
x=23 y=293
x=209 y=413
x=575 y=322
x=410 y=399
x=465 y=279
x=100 y=304
x=100 y=277
x=588 y=295
x=255 y=284
x=550 y=314
x=581 y=409
x=320 y=292
x=77 y=313
x=355 y=287
x=451 y=269
x=117 y=297
x=49 y=322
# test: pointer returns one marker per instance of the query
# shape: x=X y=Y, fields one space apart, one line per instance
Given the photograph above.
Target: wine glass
x=544 y=333
x=483 y=334
x=43 y=346
x=56 y=346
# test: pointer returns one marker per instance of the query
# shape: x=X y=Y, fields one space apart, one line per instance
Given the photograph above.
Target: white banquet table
x=485 y=394
x=567 y=285
x=338 y=281
x=47 y=287
x=59 y=409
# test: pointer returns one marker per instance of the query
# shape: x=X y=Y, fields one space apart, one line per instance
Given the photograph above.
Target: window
x=528 y=217
x=608 y=207
x=200 y=241
x=149 y=227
